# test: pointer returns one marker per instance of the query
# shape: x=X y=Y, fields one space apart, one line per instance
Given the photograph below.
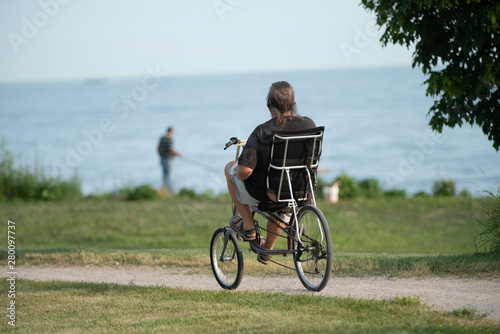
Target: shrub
x=56 y=189
x=187 y=192
x=489 y=239
x=396 y=193
x=142 y=192
x=349 y=187
x=444 y=188
x=465 y=193
x=33 y=183
x=192 y=194
x=370 y=188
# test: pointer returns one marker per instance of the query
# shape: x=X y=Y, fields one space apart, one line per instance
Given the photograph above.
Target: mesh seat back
x=299 y=152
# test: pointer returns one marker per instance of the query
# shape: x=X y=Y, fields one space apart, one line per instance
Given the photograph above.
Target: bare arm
x=243 y=172
x=175 y=153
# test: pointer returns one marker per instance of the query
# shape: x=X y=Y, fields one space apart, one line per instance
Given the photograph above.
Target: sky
x=79 y=39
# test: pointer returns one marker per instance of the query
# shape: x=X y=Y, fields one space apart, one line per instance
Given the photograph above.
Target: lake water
x=108 y=131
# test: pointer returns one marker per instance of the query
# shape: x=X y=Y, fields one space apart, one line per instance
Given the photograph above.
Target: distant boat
x=95 y=81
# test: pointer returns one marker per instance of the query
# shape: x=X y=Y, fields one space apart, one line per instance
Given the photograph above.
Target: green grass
x=390 y=237
x=398 y=237
x=107 y=223
x=423 y=225
x=64 y=307
x=426 y=225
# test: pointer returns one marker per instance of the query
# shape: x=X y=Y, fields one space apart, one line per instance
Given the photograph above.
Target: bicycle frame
x=238 y=147
x=288 y=230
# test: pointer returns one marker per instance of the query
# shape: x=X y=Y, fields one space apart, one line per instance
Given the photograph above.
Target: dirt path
x=444 y=293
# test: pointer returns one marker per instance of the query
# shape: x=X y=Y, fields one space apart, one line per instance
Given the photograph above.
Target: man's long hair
x=281 y=98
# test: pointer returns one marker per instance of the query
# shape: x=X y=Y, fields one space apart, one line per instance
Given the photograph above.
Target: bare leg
x=243 y=209
x=273 y=233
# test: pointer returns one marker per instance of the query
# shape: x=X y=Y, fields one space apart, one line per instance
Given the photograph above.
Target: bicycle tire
x=315 y=260
x=228 y=271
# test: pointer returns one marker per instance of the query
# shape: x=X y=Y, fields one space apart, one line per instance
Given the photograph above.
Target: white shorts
x=241 y=191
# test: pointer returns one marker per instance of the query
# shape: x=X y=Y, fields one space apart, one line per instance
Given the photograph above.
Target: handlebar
x=235 y=141
x=232 y=141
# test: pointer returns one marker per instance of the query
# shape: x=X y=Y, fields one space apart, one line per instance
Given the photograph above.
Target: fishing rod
x=202 y=164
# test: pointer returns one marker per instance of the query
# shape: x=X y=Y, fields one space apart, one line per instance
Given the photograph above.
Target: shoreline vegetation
x=22 y=182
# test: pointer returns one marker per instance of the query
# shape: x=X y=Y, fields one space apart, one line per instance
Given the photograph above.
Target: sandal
x=263 y=258
x=236 y=224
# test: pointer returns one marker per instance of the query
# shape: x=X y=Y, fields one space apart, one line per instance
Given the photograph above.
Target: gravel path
x=444 y=293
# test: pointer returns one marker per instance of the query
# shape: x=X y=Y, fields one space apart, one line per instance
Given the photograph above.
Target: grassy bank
x=63 y=307
x=399 y=237
x=423 y=225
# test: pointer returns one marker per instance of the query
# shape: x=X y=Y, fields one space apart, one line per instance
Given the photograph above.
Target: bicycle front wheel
x=226 y=259
x=314 y=259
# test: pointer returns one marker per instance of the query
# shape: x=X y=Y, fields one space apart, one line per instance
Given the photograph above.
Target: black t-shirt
x=166 y=144
x=257 y=151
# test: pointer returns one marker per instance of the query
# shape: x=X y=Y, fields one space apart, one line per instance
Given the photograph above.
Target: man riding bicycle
x=246 y=178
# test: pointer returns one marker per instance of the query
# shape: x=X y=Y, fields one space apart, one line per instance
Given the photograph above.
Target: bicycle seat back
x=293 y=167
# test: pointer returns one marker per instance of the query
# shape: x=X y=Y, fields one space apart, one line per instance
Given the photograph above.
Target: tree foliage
x=457 y=44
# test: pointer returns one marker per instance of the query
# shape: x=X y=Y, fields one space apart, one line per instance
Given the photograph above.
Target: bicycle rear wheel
x=314 y=261
x=226 y=262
